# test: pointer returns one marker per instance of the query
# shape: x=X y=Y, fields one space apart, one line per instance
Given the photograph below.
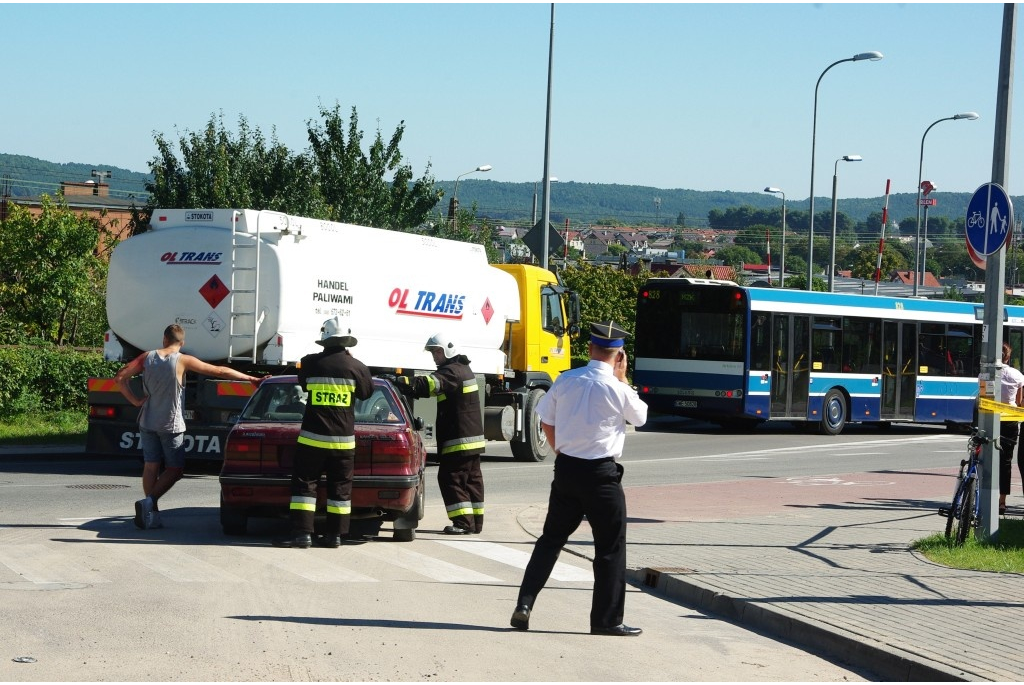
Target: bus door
x=899 y=370
x=790 y=365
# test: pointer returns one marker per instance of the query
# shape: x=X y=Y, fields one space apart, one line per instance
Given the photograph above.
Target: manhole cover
x=97 y=486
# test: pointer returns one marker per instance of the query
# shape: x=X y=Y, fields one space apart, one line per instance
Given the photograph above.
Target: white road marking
x=435 y=569
x=517 y=558
x=306 y=564
x=42 y=564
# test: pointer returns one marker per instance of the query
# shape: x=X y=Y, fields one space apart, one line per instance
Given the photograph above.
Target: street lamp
x=919 y=266
x=782 y=259
x=835 y=184
x=874 y=57
x=453 y=204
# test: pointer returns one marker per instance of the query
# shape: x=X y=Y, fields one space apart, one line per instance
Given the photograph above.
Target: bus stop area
x=826 y=565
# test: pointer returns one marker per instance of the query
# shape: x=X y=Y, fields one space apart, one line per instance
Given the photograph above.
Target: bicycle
x=976 y=219
x=964 y=512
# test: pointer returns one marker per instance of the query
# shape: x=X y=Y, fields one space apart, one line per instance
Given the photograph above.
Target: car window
x=287 y=402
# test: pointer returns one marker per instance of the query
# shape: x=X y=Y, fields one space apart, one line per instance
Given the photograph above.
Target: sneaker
x=153 y=521
x=142 y=507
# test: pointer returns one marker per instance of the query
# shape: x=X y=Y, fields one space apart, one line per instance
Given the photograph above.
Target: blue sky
x=697 y=96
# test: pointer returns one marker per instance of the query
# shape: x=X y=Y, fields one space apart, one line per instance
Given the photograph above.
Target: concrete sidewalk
x=805 y=561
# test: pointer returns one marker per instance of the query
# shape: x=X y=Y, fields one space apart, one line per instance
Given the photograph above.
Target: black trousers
x=462 y=488
x=339 y=465
x=593 y=489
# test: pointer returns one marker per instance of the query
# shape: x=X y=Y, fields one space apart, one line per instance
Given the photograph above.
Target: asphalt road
x=90 y=597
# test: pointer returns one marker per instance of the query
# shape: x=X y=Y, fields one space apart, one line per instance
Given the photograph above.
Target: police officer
x=334 y=380
x=460 y=434
x=584 y=417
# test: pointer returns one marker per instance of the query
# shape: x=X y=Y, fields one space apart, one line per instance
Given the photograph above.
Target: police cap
x=607 y=334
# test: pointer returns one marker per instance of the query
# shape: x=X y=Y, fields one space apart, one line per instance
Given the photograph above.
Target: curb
x=43 y=452
x=887 y=662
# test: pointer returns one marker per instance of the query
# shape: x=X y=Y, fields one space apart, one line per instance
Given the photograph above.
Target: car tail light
x=243 y=449
x=101 y=411
x=390 y=449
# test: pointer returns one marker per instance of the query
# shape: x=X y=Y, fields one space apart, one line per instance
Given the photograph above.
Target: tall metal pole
x=995 y=279
x=782 y=258
x=546 y=203
x=832 y=242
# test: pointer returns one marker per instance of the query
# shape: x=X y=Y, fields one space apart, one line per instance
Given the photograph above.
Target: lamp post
x=874 y=57
x=782 y=259
x=919 y=267
x=835 y=184
x=453 y=204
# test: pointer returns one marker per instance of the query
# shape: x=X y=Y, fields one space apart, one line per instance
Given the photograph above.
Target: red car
x=255 y=479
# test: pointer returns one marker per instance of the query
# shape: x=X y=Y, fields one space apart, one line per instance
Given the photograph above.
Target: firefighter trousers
x=462 y=488
x=339 y=465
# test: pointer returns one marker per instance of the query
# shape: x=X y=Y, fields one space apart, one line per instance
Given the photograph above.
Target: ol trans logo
x=177 y=258
x=427 y=303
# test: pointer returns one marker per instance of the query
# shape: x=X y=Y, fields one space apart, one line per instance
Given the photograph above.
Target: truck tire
x=535 y=447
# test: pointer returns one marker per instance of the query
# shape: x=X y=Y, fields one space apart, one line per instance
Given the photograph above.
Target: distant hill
x=581 y=203
x=27 y=176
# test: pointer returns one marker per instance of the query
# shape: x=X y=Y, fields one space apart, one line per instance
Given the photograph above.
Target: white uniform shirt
x=1010 y=380
x=589 y=408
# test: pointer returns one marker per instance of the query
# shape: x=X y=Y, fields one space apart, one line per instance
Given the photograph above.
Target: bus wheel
x=834 y=413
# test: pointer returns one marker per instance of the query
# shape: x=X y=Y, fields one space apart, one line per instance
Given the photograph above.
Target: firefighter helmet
x=441 y=341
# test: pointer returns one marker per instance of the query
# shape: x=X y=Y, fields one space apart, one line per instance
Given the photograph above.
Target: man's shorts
x=164 y=447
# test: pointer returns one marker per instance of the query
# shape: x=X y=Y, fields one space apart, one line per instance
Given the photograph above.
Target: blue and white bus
x=739 y=356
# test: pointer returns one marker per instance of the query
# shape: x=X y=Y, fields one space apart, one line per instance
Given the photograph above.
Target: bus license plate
x=686 y=404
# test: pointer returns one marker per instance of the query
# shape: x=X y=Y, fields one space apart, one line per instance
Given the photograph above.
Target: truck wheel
x=233 y=521
x=535 y=447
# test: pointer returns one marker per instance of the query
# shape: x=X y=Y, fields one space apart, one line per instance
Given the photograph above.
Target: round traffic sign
x=989 y=220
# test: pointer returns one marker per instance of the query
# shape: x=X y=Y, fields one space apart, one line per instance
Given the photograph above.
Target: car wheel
x=405 y=524
x=535 y=447
x=233 y=521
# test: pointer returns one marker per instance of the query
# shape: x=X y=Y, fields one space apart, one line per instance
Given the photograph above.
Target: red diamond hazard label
x=214 y=291
x=487 y=310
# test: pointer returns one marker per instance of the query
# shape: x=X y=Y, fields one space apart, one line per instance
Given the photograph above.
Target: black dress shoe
x=456 y=530
x=297 y=541
x=328 y=541
x=621 y=630
x=521 y=617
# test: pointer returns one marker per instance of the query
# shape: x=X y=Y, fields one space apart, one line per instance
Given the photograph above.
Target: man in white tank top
x=161 y=421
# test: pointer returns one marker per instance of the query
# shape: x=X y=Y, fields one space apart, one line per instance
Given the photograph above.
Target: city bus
x=739 y=356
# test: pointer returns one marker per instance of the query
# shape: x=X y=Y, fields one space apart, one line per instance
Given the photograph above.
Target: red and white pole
x=881 y=238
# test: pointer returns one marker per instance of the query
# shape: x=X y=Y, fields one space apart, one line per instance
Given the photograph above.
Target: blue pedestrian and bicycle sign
x=989 y=219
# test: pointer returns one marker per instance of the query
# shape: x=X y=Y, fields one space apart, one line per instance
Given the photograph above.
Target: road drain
x=97 y=486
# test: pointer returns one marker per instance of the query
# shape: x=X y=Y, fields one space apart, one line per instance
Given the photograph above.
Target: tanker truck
x=252 y=289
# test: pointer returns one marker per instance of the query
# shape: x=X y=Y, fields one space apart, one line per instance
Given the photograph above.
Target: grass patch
x=1005 y=554
x=59 y=427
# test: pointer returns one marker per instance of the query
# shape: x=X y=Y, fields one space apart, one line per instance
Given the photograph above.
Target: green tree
x=468 y=228
x=51 y=280
x=219 y=168
x=865 y=260
x=355 y=184
x=606 y=294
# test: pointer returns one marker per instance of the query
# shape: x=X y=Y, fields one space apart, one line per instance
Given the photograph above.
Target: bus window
x=760 y=342
x=960 y=351
x=860 y=345
x=931 y=356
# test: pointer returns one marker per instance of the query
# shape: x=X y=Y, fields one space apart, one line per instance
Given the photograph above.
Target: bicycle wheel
x=954 y=509
x=965 y=517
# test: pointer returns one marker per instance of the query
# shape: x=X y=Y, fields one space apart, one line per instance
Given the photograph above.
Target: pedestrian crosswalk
x=86 y=553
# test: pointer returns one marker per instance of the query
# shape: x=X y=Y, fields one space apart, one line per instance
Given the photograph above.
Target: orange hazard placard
x=103 y=385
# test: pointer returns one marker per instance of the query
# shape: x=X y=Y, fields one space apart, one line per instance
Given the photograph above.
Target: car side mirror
x=417 y=424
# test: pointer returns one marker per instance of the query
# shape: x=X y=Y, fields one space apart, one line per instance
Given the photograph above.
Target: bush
x=36 y=378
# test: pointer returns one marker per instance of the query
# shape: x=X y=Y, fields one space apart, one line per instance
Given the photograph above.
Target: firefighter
x=460 y=434
x=334 y=380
